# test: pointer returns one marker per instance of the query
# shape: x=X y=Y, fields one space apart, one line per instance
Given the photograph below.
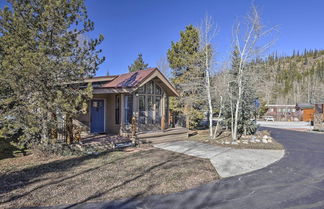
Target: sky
x=148 y=26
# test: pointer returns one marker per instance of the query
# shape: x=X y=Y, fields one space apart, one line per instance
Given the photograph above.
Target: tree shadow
x=28 y=176
x=24 y=177
x=7 y=150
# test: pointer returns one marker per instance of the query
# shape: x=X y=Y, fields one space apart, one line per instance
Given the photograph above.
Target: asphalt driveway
x=296 y=181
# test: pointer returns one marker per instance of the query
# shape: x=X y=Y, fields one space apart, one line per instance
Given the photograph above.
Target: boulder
x=264 y=141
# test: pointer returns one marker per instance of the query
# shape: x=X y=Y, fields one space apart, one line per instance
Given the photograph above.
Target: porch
x=151 y=137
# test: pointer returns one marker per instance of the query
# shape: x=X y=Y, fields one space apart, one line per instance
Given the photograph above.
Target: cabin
x=307 y=111
x=282 y=112
x=117 y=100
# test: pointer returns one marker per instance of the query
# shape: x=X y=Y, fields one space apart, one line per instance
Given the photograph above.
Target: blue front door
x=97 y=116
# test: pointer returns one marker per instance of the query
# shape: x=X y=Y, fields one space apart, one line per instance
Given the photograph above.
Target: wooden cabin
x=143 y=95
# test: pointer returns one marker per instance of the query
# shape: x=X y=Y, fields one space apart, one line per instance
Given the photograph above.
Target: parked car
x=269 y=118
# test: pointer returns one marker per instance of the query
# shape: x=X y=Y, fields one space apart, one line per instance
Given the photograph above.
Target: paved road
x=296 y=181
x=298 y=125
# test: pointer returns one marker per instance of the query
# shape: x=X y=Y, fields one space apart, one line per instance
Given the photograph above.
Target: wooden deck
x=171 y=134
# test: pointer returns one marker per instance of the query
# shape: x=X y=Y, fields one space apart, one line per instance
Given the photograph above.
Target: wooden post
x=134 y=130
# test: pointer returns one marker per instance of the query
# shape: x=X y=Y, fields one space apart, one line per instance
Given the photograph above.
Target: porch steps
x=172 y=134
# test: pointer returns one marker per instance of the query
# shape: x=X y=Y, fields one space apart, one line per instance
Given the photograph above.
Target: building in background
x=283 y=112
x=307 y=111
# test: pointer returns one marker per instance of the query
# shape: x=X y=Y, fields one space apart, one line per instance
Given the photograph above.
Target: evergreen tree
x=247 y=107
x=186 y=62
x=44 y=51
x=138 y=64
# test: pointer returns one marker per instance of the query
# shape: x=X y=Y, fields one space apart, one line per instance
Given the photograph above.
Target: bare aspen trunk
x=219 y=115
x=232 y=117
x=237 y=106
x=209 y=105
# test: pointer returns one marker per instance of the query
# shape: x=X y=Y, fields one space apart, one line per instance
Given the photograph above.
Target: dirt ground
x=203 y=136
x=31 y=181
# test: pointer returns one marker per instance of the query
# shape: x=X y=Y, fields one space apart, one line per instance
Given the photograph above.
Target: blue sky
x=148 y=26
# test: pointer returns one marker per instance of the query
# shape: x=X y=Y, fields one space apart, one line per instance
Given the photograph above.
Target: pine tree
x=138 y=64
x=246 y=108
x=186 y=62
x=44 y=51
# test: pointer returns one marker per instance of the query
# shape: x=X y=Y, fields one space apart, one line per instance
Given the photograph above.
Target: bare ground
x=203 y=137
x=31 y=181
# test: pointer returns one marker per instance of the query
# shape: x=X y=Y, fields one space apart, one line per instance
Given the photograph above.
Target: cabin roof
x=129 y=82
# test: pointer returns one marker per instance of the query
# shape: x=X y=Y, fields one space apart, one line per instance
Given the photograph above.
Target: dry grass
x=203 y=136
x=30 y=181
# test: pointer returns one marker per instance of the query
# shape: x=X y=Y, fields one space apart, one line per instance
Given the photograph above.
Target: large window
x=149 y=103
x=128 y=109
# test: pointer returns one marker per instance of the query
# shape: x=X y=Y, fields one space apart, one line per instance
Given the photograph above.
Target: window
x=149 y=103
x=141 y=109
x=149 y=87
x=150 y=109
x=158 y=90
x=141 y=90
x=158 y=110
x=117 y=104
x=128 y=109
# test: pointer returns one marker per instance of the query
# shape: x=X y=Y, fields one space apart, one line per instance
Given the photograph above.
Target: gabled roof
x=130 y=80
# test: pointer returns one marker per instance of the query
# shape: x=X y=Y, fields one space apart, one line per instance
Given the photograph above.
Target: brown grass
x=30 y=181
x=203 y=136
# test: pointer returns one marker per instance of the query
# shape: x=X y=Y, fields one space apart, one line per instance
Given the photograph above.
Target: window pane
x=141 y=108
x=158 y=90
x=117 y=103
x=150 y=109
x=128 y=109
x=158 y=109
x=149 y=87
x=141 y=90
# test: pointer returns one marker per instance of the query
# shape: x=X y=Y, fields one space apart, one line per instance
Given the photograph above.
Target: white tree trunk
x=218 y=118
x=210 y=107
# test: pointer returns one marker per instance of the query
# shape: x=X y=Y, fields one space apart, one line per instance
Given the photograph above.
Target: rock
x=270 y=140
x=257 y=140
x=252 y=140
x=264 y=141
x=245 y=142
x=227 y=142
x=265 y=137
x=79 y=147
x=235 y=143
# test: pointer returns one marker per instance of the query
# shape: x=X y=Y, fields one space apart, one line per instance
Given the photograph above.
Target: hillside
x=291 y=79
